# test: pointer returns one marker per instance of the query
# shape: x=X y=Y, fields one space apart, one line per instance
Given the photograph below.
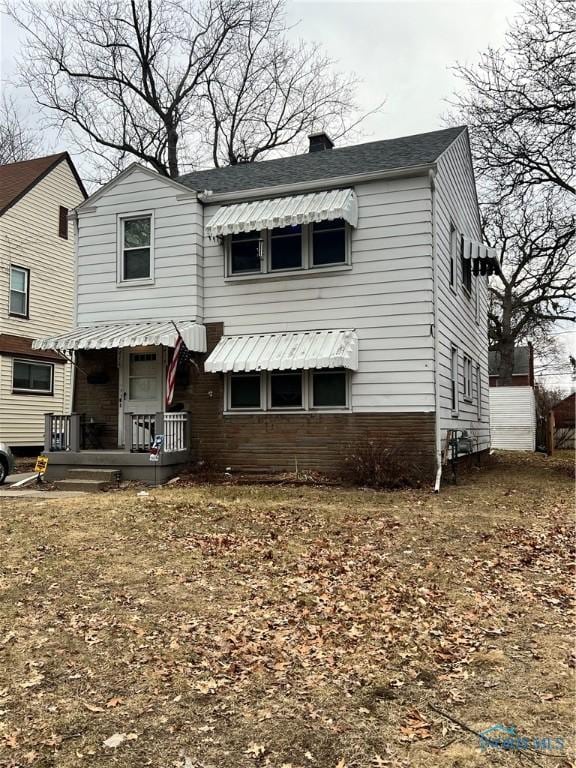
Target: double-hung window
x=19 y=291
x=467 y=378
x=32 y=378
x=136 y=248
x=453 y=266
x=296 y=247
x=454 y=380
x=466 y=270
x=478 y=393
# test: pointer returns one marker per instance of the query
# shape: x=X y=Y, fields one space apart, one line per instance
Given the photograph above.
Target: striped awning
x=128 y=335
x=284 y=211
x=285 y=351
x=484 y=259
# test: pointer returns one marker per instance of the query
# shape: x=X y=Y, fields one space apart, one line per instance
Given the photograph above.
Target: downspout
x=435 y=283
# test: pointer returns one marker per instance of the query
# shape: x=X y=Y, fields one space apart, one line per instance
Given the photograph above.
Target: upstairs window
x=63 y=222
x=245 y=253
x=136 y=248
x=19 y=291
x=286 y=248
x=454 y=240
x=328 y=243
x=466 y=273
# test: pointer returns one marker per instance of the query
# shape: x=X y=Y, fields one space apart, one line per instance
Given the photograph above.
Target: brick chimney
x=319 y=142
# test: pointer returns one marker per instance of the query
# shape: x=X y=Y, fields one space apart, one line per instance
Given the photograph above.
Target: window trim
x=121 y=281
x=63 y=224
x=307 y=257
x=307 y=393
x=467 y=378
x=38 y=392
x=26 y=315
x=454 y=380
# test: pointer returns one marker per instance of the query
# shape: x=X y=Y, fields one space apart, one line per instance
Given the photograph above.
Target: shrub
x=379 y=464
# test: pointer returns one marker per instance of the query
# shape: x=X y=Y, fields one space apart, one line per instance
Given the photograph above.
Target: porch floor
x=132 y=466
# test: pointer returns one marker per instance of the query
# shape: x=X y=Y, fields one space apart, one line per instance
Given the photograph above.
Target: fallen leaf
x=255 y=750
x=114 y=702
x=93 y=707
x=115 y=740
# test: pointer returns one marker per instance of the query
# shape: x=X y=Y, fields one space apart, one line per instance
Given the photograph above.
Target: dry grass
x=313 y=627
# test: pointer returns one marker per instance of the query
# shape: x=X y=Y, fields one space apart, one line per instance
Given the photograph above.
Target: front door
x=141 y=383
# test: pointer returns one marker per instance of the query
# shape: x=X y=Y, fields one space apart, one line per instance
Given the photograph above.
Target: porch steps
x=89 y=479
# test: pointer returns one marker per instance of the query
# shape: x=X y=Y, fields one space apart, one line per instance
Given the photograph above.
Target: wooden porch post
x=48 y=432
x=128 y=432
x=75 y=433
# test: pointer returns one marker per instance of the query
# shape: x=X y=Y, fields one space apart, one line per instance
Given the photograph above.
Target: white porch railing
x=141 y=429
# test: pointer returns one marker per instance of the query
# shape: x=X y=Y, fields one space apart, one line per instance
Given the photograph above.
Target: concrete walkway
x=31 y=491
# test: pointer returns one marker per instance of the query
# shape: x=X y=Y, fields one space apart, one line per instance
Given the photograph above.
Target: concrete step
x=80 y=485
x=92 y=473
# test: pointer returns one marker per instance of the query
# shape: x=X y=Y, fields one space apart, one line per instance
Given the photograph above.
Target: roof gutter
x=315 y=185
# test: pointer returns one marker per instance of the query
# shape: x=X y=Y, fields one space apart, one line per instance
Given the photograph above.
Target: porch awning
x=284 y=211
x=484 y=259
x=285 y=351
x=127 y=335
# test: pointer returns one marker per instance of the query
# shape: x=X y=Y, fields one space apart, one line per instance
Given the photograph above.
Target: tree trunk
x=173 y=152
x=506 y=343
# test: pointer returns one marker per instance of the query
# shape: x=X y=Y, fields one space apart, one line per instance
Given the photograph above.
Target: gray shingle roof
x=521 y=361
x=389 y=154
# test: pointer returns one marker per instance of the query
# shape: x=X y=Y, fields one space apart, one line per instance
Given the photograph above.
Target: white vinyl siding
x=176 y=244
x=513 y=418
x=462 y=320
x=385 y=295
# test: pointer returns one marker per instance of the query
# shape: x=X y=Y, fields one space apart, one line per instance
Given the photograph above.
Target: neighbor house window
x=467 y=378
x=454 y=239
x=286 y=390
x=454 y=379
x=244 y=391
x=19 y=291
x=245 y=253
x=329 y=389
x=328 y=243
x=137 y=248
x=286 y=248
x=29 y=377
x=63 y=222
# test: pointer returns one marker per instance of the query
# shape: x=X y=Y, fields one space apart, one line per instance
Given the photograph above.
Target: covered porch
x=119 y=405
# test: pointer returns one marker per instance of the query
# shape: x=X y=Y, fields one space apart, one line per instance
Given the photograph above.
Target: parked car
x=7 y=462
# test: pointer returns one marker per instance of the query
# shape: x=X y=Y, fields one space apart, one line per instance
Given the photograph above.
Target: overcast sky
x=403 y=51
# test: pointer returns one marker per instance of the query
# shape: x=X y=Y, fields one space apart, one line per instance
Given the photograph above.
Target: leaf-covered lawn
x=235 y=626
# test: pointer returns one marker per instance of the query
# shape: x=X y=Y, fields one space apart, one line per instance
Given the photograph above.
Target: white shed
x=513 y=418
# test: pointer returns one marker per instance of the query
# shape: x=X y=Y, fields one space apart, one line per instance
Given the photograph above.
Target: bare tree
x=520 y=102
x=17 y=141
x=172 y=82
x=268 y=94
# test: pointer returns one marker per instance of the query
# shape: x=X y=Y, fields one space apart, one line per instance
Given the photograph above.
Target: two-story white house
x=330 y=298
x=36 y=291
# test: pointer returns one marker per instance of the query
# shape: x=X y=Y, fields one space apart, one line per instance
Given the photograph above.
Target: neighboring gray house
x=331 y=298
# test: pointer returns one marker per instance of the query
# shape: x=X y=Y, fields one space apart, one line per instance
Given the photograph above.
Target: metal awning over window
x=484 y=259
x=284 y=211
x=127 y=335
x=285 y=351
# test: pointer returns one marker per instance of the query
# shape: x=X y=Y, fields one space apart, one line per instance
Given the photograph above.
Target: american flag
x=180 y=351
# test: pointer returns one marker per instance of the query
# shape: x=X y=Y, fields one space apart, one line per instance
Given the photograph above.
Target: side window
x=63 y=222
x=19 y=291
x=454 y=239
x=467 y=378
x=466 y=272
x=454 y=379
x=478 y=393
x=136 y=248
x=328 y=243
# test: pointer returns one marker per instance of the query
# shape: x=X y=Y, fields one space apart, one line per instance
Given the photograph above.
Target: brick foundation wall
x=275 y=442
x=99 y=401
